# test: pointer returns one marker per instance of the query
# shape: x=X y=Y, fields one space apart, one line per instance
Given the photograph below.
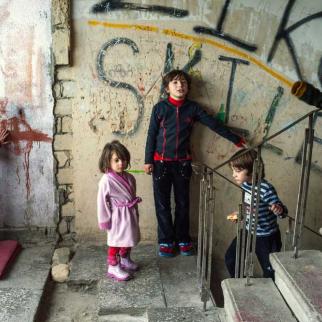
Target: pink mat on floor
x=9 y=249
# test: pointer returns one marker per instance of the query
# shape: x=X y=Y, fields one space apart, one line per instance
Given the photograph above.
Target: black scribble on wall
x=272 y=110
x=102 y=75
x=194 y=60
x=318 y=140
x=169 y=59
x=113 y=5
x=234 y=62
x=219 y=33
x=284 y=33
x=169 y=63
x=168 y=66
x=269 y=120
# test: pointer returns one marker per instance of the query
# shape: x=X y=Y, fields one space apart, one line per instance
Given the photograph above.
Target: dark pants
x=168 y=174
x=264 y=246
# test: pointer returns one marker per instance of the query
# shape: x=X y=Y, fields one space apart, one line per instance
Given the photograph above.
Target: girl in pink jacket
x=117 y=210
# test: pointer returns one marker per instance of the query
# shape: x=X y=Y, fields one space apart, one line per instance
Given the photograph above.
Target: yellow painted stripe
x=123 y=26
x=203 y=40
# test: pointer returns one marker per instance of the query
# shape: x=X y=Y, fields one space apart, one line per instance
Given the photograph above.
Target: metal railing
x=246 y=242
x=205 y=233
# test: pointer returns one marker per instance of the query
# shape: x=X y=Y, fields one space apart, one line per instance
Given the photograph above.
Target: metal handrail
x=241 y=188
x=259 y=144
x=272 y=136
x=205 y=232
x=207 y=203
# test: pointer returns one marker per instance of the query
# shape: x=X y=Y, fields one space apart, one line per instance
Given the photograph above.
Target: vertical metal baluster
x=288 y=233
x=211 y=223
x=243 y=239
x=200 y=226
x=204 y=295
x=299 y=206
x=258 y=187
x=238 y=242
x=306 y=182
x=248 y=254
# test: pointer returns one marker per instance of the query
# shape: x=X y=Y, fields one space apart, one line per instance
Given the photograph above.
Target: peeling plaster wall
x=27 y=196
x=119 y=56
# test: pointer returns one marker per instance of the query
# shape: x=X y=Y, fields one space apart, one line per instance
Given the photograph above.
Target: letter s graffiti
x=102 y=75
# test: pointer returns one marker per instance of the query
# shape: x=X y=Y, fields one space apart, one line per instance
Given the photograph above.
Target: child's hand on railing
x=278 y=210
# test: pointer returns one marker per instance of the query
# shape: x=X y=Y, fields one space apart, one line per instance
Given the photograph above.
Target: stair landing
x=300 y=282
x=164 y=289
x=258 y=302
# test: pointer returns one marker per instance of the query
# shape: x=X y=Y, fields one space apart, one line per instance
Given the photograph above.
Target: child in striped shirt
x=268 y=236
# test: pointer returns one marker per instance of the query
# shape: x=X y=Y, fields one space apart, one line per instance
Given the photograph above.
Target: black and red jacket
x=170 y=128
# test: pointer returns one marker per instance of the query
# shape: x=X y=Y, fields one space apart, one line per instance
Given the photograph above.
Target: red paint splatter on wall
x=3 y=105
x=21 y=138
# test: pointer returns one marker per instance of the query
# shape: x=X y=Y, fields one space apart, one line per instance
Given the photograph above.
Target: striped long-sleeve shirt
x=267 y=220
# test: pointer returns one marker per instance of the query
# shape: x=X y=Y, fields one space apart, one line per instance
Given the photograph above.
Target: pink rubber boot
x=117 y=273
x=127 y=264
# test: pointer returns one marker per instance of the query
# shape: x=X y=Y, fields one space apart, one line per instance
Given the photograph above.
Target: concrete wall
x=241 y=66
x=27 y=192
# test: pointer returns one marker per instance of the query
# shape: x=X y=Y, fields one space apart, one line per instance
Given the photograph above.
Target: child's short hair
x=175 y=74
x=113 y=147
x=245 y=161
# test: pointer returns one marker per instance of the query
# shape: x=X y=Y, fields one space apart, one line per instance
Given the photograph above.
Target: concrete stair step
x=259 y=301
x=125 y=316
x=179 y=281
x=300 y=282
x=164 y=289
x=87 y=266
x=22 y=287
x=173 y=314
x=186 y=314
x=160 y=284
x=139 y=293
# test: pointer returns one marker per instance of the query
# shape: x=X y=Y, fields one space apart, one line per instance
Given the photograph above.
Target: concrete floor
x=164 y=289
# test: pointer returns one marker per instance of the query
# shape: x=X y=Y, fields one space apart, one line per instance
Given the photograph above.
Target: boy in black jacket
x=168 y=158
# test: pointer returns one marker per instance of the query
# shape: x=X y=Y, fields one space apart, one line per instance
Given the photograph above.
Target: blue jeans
x=264 y=246
x=168 y=174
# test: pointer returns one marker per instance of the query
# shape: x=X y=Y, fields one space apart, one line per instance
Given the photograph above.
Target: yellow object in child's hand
x=233 y=216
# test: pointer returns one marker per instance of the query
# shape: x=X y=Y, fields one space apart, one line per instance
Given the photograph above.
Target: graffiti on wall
x=116 y=84
x=21 y=138
x=113 y=5
x=283 y=33
x=194 y=58
x=219 y=32
x=234 y=63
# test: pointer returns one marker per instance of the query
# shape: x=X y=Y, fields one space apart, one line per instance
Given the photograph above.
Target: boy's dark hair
x=175 y=73
x=113 y=147
x=245 y=160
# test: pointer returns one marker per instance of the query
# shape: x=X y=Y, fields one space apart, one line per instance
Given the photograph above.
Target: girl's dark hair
x=175 y=74
x=113 y=147
x=245 y=160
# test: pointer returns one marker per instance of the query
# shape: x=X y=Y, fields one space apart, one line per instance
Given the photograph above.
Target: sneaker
x=127 y=264
x=166 y=250
x=186 y=249
x=116 y=272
